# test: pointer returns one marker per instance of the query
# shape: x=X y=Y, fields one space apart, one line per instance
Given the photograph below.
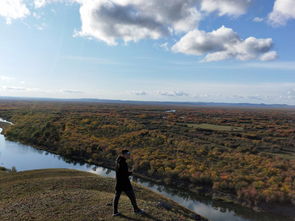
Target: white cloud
x=6 y=78
x=139 y=93
x=16 y=88
x=43 y=3
x=41 y=26
x=165 y=46
x=133 y=20
x=8 y=81
x=112 y=21
x=40 y=3
x=280 y=92
x=269 y=56
x=291 y=94
x=226 y=7
x=282 y=65
x=173 y=93
x=222 y=44
x=258 y=19
x=283 y=11
x=72 y=91
x=13 y=9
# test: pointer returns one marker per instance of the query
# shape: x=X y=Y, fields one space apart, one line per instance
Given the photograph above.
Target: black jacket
x=122 y=174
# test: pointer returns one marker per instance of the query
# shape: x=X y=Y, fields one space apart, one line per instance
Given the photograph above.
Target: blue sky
x=183 y=50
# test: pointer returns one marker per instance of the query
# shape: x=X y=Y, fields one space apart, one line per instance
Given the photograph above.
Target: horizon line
x=101 y=100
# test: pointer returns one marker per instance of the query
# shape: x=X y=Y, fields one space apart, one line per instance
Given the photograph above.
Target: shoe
x=139 y=211
x=117 y=214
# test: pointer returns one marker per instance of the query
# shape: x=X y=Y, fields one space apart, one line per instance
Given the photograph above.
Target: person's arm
x=123 y=169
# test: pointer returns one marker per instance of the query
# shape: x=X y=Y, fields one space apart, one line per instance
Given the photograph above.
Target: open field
x=60 y=194
x=215 y=127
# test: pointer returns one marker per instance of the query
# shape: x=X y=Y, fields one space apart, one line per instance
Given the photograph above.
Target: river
x=24 y=157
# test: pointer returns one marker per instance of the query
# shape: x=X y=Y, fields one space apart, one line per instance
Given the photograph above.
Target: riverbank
x=110 y=165
x=63 y=194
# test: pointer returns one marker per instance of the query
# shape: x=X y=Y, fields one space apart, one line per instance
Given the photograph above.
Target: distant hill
x=180 y=103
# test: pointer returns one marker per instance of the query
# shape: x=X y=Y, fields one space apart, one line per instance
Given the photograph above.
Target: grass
x=215 y=127
x=61 y=194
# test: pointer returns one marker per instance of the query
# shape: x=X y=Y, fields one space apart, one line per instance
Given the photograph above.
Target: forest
x=242 y=155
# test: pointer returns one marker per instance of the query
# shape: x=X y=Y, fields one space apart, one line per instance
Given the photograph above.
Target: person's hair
x=125 y=151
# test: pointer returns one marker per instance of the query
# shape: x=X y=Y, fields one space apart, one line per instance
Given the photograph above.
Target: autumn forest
x=242 y=155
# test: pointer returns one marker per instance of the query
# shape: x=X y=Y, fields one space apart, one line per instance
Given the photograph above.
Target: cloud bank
x=226 y=7
x=258 y=19
x=133 y=20
x=13 y=9
x=173 y=93
x=4 y=78
x=220 y=92
x=283 y=11
x=224 y=43
x=115 y=21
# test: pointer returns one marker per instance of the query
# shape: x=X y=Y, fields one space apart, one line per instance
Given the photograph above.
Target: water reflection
x=28 y=158
x=5 y=121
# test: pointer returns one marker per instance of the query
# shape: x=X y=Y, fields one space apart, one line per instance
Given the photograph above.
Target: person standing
x=123 y=183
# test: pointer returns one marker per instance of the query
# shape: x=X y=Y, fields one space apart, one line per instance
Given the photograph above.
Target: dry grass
x=60 y=194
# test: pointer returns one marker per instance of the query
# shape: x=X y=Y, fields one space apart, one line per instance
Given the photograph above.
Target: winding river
x=24 y=157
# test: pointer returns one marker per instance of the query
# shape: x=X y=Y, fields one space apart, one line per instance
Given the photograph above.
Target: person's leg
x=116 y=200
x=130 y=193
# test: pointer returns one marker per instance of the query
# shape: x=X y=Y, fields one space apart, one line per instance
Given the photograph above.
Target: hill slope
x=61 y=194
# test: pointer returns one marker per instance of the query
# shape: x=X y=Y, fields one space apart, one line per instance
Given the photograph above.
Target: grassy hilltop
x=61 y=194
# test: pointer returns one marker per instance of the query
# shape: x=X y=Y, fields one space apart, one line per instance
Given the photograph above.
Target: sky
x=157 y=50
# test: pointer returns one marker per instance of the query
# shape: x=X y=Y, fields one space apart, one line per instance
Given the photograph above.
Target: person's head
x=126 y=154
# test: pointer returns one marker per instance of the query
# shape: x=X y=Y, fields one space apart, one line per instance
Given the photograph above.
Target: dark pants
x=130 y=194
